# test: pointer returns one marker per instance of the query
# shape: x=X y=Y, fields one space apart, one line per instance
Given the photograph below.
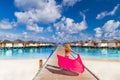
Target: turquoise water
x=44 y=52
x=26 y=53
x=98 y=53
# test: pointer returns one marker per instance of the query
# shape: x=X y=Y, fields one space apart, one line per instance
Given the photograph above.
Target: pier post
x=40 y=64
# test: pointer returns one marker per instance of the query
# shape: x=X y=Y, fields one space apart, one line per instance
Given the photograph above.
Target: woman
x=68 y=50
x=67 y=63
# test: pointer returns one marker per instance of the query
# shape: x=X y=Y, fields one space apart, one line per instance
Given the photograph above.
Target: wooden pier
x=51 y=71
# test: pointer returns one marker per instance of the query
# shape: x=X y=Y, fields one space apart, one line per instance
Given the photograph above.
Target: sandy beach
x=104 y=70
x=19 y=69
x=27 y=68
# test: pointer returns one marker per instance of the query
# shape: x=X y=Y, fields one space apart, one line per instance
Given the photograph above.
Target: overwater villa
x=100 y=44
x=89 y=43
x=77 y=43
x=114 y=43
x=20 y=43
x=6 y=43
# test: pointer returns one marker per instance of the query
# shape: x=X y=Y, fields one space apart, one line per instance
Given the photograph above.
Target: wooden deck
x=51 y=71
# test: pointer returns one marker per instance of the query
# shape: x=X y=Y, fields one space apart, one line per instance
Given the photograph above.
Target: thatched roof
x=31 y=41
x=18 y=41
x=114 y=40
x=6 y=41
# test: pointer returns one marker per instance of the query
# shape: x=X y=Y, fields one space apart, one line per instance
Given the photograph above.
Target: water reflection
x=98 y=53
x=104 y=51
x=20 y=51
x=41 y=52
x=9 y=53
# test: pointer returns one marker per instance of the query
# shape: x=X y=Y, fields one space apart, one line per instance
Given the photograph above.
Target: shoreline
x=84 y=58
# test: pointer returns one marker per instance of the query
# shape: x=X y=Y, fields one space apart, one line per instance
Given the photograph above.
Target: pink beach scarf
x=75 y=65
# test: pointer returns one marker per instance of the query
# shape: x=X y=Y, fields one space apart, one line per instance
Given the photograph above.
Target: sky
x=59 y=20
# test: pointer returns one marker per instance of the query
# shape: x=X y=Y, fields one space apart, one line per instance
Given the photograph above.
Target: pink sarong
x=75 y=65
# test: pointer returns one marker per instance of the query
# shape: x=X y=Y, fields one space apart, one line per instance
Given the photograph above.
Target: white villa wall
x=102 y=45
x=31 y=44
x=42 y=44
x=85 y=44
x=8 y=45
x=18 y=45
x=111 y=45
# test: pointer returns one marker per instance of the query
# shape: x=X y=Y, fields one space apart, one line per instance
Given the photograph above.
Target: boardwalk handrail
x=92 y=73
x=86 y=67
x=45 y=63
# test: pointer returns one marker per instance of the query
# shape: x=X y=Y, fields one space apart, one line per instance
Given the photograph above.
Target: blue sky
x=59 y=20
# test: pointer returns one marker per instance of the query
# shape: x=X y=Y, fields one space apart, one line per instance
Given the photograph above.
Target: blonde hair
x=67 y=47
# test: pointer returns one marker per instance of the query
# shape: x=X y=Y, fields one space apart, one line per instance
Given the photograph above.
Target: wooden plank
x=51 y=71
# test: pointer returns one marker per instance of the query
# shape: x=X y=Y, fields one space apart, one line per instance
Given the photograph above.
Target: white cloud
x=43 y=11
x=35 y=36
x=106 y=13
x=109 y=30
x=112 y=35
x=70 y=2
x=98 y=32
x=34 y=27
x=60 y=34
x=27 y=5
x=35 y=12
x=63 y=37
x=9 y=35
x=101 y=15
x=68 y=25
x=25 y=35
x=85 y=36
x=49 y=29
x=5 y=24
x=111 y=26
x=67 y=28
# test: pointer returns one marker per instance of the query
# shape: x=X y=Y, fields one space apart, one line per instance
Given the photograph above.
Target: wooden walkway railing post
x=40 y=64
